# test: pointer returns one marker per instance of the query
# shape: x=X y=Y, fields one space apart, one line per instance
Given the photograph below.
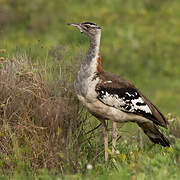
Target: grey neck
x=94 y=47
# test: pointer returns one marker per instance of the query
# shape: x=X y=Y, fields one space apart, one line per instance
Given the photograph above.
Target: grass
x=45 y=133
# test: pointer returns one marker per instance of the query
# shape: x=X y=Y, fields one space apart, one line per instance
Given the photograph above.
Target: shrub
x=38 y=122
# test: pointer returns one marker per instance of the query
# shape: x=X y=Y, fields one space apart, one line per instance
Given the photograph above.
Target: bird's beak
x=73 y=24
x=76 y=25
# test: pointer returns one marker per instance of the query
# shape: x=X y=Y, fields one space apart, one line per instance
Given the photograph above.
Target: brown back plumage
x=119 y=83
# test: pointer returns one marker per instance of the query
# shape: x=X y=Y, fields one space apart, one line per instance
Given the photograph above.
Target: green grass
x=140 y=41
x=153 y=162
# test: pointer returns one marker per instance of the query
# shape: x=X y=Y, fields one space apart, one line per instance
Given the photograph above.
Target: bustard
x=110 y=97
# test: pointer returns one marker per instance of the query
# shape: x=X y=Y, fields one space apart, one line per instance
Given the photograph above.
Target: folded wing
x=121 y=94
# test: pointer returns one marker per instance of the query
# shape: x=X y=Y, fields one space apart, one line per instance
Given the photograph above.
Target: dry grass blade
x=37 y=124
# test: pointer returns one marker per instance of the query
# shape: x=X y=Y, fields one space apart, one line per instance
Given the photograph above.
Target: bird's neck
x=93 y=58
x=94 y=45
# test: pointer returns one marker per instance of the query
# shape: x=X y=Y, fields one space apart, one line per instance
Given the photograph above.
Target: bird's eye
x=87 y=26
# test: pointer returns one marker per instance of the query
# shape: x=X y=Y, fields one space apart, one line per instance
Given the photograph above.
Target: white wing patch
x=126 y=101
x=113 y=100
x=137 y=107
x=106 y=82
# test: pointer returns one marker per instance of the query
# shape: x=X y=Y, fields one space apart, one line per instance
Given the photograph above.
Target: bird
x=111 y=97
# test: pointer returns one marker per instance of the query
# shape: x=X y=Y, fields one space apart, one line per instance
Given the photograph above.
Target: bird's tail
x=154 y=134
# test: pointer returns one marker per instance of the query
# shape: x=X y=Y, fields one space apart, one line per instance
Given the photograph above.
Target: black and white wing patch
x=126 y=99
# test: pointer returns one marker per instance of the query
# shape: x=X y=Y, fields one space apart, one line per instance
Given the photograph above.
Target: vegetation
x=45 y=133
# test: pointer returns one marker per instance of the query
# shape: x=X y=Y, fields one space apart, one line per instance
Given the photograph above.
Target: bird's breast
x=85 y=85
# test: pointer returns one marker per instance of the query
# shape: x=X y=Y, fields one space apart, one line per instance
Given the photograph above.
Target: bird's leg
x=140 y=139
x=105 y=137
x=114 y=136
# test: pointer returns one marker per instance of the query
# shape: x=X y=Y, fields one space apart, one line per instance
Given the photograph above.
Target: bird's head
x=88 y=28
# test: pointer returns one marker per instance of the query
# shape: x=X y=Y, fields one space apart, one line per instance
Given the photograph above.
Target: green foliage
x=150 y=163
